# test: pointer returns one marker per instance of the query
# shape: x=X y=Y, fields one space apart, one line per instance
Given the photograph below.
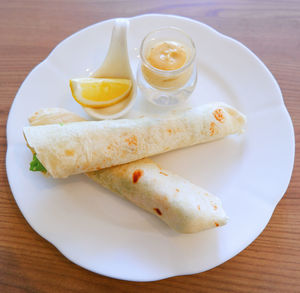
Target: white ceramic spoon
x=116 y=65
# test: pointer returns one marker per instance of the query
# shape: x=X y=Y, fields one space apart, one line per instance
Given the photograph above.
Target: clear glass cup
x=167 y=87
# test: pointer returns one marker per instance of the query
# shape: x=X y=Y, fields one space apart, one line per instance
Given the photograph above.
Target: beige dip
x=165 y=60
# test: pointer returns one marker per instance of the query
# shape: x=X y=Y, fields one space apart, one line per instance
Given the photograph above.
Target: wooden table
x=30 y=29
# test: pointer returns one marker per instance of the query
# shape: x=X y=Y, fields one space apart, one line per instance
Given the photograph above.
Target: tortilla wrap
x=93 y=145
x=182 y=205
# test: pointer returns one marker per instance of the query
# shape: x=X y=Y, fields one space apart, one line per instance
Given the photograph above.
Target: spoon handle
x=116 y=63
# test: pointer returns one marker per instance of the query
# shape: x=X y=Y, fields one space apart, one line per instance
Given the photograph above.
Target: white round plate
x=108 y=235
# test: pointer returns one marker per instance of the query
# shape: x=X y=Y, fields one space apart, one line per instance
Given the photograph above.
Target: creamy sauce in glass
x=167 y=55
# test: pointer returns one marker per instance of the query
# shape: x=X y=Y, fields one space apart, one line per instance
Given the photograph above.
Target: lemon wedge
x=99 y=92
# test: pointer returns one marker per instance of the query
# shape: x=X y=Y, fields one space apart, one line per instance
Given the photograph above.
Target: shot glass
x=167 y=87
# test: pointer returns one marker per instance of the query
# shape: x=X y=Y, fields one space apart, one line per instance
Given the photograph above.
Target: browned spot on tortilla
x=162 y=201
x=198 y=207
x=177 y=189
x=176 y=130
x=132 y=140
x=163 y=173
x=217 y=224
x=170 y=131
x=85 y=166
x=137 y=175
x=219 y=115
x=212 y=128
x=69 y=152
x=158 y=211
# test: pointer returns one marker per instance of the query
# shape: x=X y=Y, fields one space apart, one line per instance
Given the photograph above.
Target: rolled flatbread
x=182 y=205
x=93 y=145
x=48 y=116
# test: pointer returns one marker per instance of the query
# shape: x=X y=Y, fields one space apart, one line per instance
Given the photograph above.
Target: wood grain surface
x=30 y=29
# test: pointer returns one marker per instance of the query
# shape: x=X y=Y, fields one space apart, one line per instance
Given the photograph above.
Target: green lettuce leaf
x=36 y=165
